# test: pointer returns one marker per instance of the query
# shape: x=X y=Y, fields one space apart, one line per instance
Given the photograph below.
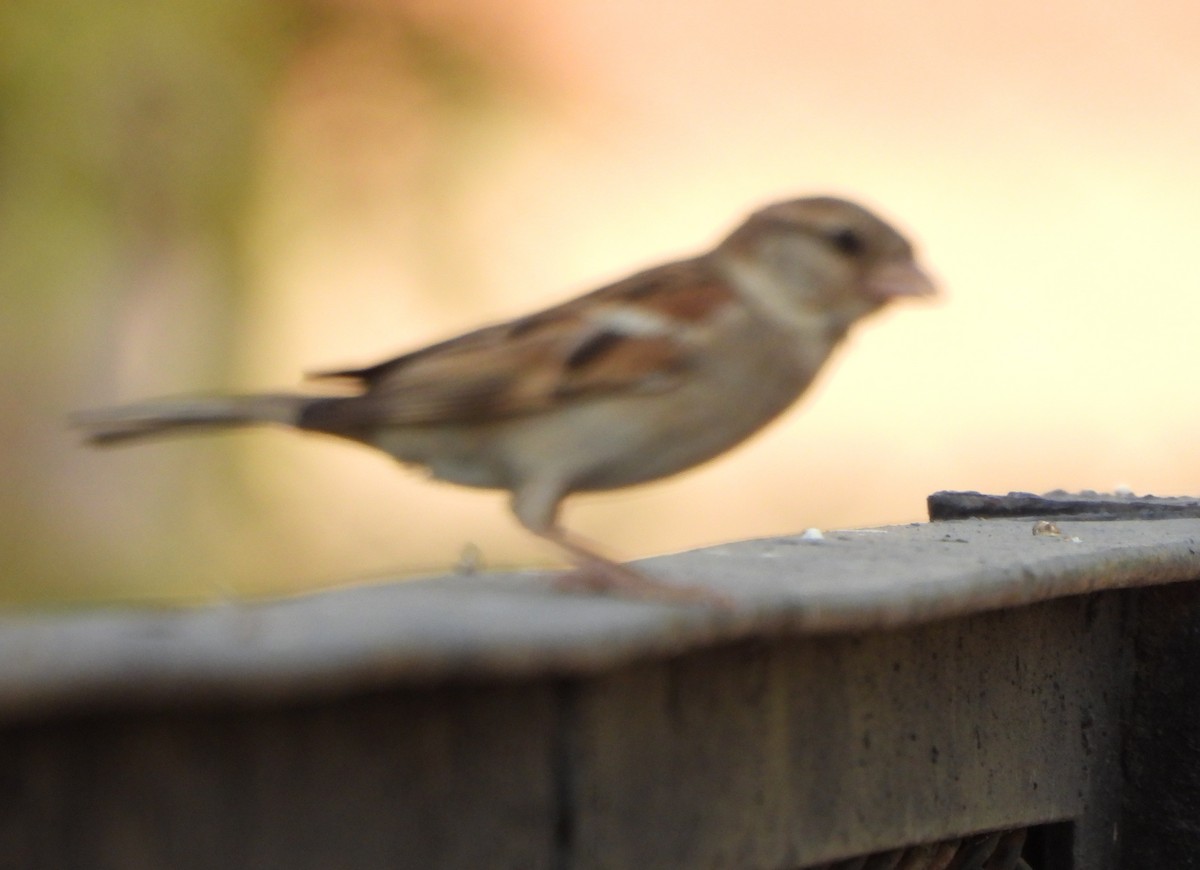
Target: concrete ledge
x=510 y=625
x=878 y=693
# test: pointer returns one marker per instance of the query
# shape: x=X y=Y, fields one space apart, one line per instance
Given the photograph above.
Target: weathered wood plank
x=1079 y=505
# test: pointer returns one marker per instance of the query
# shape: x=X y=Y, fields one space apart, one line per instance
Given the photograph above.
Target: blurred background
x=222 y=194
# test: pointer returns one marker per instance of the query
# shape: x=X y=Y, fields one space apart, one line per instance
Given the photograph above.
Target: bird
x=635 y=381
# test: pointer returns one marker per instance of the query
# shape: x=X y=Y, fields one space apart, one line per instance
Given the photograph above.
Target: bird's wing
x=638 y=335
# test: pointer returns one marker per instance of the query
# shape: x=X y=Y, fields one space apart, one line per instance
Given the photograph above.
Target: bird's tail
x=150 y=419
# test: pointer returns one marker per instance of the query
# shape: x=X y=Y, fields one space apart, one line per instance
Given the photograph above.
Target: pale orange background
x=1043 y=156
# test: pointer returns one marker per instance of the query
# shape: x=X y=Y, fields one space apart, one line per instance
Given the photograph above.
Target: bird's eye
x=847 y=241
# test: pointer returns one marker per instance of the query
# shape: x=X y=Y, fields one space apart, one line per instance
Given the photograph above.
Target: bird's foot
x=621 y=581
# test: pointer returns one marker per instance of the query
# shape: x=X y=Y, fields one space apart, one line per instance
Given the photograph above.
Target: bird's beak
x=894 y=280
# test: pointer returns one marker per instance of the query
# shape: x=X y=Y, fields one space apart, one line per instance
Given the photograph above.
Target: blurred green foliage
x=128 y=137
x=132 y=138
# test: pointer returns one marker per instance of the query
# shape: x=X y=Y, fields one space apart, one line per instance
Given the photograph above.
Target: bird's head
x=822 y=255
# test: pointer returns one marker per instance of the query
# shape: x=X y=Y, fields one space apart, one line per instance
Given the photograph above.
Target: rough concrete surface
x=514 y=625
x=875 y=693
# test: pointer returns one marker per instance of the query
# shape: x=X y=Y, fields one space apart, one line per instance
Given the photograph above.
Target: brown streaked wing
x=566 y=353
x=377 y=371
x=687 y=291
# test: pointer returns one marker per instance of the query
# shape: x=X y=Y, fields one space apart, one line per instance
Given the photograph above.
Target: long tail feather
x=162 y=416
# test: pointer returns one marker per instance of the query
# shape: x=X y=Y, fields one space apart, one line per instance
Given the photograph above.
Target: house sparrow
x=635 y=381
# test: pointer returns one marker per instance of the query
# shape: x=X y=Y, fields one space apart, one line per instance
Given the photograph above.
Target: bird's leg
x=599 y=574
